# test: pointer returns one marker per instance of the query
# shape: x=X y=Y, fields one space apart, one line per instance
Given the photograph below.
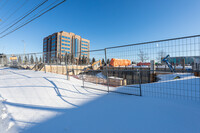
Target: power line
x=3 y=5
x=25 y=16
x=18 y=18
x=33 y=18
x=42 y=10
x=15 y=11
x=9 y=9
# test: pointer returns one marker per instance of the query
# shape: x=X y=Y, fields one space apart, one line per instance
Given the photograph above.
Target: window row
x=65 y=41
x=65 y=52
x=84 y=44
x=84 y=48
x=65 y=44
x=83 y=54
x=65 y=37
x=65 y=48
x=84 y=41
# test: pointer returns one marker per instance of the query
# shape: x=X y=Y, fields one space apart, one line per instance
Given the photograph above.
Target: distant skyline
x=109 y=23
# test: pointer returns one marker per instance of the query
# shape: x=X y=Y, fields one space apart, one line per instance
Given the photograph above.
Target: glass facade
x=76 y=47
x=66 y=43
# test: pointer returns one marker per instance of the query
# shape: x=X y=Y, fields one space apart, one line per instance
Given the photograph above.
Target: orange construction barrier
x=119 y=62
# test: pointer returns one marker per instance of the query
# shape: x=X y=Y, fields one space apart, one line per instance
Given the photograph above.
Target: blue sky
x=110 y=23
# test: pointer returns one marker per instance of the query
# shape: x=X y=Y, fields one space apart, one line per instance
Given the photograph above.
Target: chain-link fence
x=164 y=68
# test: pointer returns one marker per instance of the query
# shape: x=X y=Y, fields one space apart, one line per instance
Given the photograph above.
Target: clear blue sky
x=110 y=22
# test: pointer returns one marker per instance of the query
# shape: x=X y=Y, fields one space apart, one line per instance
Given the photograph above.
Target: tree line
x=83 y=60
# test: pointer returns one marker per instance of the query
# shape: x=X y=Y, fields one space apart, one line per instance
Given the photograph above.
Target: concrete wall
x=59 y=69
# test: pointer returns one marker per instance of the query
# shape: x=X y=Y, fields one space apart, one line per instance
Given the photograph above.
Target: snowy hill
x=46 y=102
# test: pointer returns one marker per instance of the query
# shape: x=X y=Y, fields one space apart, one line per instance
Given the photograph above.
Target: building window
x=65 y=41
x=84 y=42
x=53 y=36
x=84 y=48
x=65 y=44
x=65 y=37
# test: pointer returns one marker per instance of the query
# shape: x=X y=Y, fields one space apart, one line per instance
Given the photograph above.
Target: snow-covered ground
x=171 y=77
x=6 y=123
x=41 y=102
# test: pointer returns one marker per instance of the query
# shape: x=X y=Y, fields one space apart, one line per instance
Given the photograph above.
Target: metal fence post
x=140 y=81
x=107 y=70
x=83 y=78
x=36 y=64
x=1 y=60
x=43 y=60
x=45 y=67
x=67 y=68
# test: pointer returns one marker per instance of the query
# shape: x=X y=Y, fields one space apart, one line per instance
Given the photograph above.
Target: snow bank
x=6 y=125
x=34 y=97
x=168 y=77
x=48 y=103
x=100 y=75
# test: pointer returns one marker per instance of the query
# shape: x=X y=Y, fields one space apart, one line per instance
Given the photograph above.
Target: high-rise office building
x=62 y=43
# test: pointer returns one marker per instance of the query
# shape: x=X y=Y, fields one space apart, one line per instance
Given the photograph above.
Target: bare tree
x=19 y=60
x=161 y=55
x=36 y=59
x=25 y=60
x=103 y=62
x=32 y=60
x=40 y=59
x=143 y=56
x=93 y=60
x=79 y=60
x=84 y=60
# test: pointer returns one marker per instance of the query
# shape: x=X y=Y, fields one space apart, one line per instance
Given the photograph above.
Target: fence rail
x=163 y=68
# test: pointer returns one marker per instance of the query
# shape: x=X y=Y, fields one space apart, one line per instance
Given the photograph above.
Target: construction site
x=113 y=69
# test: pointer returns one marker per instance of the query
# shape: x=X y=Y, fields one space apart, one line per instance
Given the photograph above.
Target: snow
x=141 y=66
x=177 y=67
x=187 y=87
x=47 y=102
x=100 y=75
x=6 y=124
x=167 y=77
